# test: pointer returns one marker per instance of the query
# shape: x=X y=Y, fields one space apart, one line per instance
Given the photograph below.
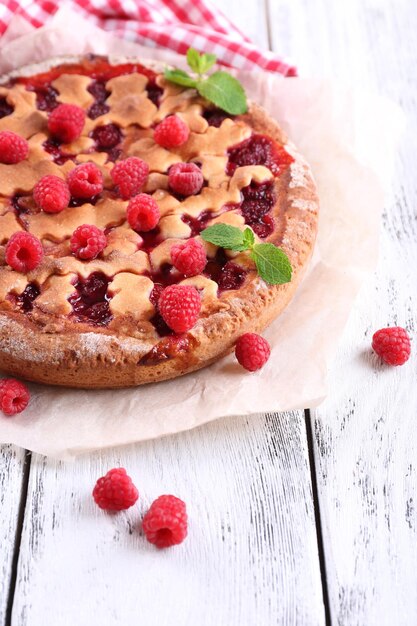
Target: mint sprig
x=271 y=262
x=221 y=88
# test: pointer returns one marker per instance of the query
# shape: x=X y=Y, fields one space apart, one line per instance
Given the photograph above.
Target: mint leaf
x=179 y=77
x=206 y=62
x=200 y=63
x=224 y=236
x=272 y=263
x=248 y=238
x=225 y=92
x=193 y=59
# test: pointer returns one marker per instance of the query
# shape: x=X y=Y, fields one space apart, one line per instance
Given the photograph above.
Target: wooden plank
x=365 y=435
x=12 y=477
x=250 y=558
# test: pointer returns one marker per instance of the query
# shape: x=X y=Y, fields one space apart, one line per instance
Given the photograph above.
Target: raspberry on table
x=129 y=176
x=185 y=179
x=143 y=213
x=392 y=345
x=87 y=241
x=66 y=122
x=115 y=491
x=172 y=132
x=166 y=522
x=14 y=396
x=189 y=258
x=51 y=194
x=180 y=306
x=24 y=252
x=252 y=351
x=13 y=147
x=85 y=180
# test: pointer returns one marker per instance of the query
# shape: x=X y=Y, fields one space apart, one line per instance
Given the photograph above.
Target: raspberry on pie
x=104 y=276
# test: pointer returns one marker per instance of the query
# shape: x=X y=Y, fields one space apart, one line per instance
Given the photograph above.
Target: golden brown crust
x=55 y=352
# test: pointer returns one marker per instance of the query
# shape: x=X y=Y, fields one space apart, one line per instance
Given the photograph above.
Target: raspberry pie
x=109 y=173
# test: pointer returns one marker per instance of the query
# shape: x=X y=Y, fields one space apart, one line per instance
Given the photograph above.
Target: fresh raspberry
x=392 y=345
x=87 y=241
x=115 y=491
x=252 y=351
x=85 y=181
x=179 y=306
x=66 y=122
x=51 y=194
x=171 y=132
x=185 y=179
x=143 y=213
x=24 y=252
x=165 y=524
x=13 y=148
x=189 y=258
x=14 y=396
x=130 y=175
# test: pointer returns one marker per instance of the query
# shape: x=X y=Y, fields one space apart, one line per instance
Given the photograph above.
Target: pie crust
x=43 y=339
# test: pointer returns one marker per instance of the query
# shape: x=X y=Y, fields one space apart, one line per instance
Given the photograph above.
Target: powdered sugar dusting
x=85 y=345
x=298 y=175
x=304 y=205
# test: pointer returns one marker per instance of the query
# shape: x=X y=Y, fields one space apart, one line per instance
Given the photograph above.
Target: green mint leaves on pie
x=221 y=88
x=271 y=262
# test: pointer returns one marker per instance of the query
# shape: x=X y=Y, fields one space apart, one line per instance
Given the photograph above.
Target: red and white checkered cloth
x=173 y=24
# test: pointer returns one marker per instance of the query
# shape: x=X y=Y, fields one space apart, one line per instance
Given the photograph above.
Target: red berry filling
x=53 y=146
x=167 y=348
x=5 y=108
x=106 y=137
x=232 y=276
x=28 y=296
x=197 y=224
x=100 y=93
x=225 y=273
x=215 y=117
x=258 y=200
x=154 y=93
x=46 y=97
x=90 y=303
x=258 y=150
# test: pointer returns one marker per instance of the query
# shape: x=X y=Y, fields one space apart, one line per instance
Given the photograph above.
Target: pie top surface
x=243 y=168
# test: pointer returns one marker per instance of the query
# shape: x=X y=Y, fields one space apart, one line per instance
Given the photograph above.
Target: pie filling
x=123 y=104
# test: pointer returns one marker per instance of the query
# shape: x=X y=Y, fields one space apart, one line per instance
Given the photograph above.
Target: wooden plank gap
x=18 y=535
x=317 y=515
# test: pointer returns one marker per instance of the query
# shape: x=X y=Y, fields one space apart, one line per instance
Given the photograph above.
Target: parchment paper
x=349 y=139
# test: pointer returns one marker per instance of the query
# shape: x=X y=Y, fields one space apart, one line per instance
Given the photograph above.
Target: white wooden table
x=298 y=518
